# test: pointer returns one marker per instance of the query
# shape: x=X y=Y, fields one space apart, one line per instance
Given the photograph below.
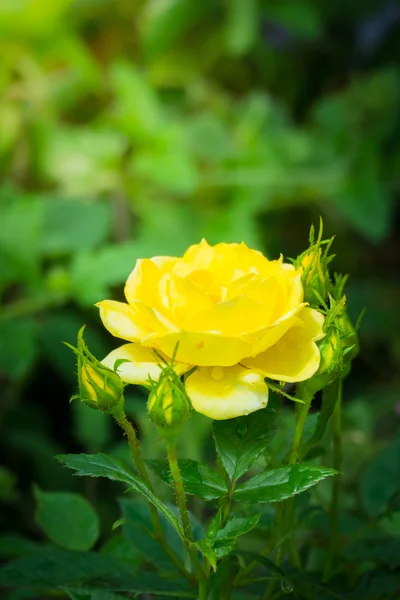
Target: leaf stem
x=336 y=483
x=202 y=577
x=134 y=446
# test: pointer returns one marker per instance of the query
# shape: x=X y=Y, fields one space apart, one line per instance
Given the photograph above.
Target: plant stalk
x=134 y=446
x=336 y=483
x=181 y=501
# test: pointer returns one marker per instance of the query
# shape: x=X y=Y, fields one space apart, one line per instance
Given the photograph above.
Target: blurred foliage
x=131 y=128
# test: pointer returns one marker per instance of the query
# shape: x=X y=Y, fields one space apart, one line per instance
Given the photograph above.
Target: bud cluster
x=340 y=344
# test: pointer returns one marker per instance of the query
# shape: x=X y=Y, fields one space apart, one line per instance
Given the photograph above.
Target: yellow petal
x=200 y=348
x=184 y=299
x=267 y=336
x=141 y=366
x=295 y=357
x=230 y=318
x=225 y=393
x=129 y=322
x=142 y=283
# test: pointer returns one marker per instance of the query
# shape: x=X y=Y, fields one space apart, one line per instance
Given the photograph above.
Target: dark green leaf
x=86 y=570
x=380 y=479
x=18 y=348
x=138 y=531
x=102 y=465
x=240 y=441
x=13 y=545
x=67 y=519
x=263 y=560
x=199 y=479
x=91 y=594
x=280 y=483
x=329 y=399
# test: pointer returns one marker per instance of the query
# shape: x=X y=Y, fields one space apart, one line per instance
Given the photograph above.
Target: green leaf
x=329 y=399
x=67 y=519
x=380 y=479
x=138 y=530
x=199 y=479
x=51 y=570
x=237 y=526
x=91 y=594
x=18 y=349
x=242 y=25
x=208 y=552
x=263 y=560
x=225 y=539
x=102 y=465
x=280 y=483
x=13 y=545
x=72 y=225
x=239 y=442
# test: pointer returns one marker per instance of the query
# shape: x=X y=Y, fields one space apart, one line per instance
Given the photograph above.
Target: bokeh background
x=130 y=128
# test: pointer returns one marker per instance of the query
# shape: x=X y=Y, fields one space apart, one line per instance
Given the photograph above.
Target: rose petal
x=200 y=348
x=141 y=366
x=295 y=357
x=225 y=393
x=128 y=321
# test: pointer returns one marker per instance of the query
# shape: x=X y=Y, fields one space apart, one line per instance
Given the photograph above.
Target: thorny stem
x=181 y=501
x=284 y=512
x=134 y=446
x=336 y=483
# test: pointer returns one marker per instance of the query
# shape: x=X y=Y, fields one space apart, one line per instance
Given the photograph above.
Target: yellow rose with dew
x=225 y=309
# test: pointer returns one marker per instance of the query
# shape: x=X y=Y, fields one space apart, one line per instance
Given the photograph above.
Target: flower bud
x=99 y=387
x=331 y=360
x=315 y=275
x=168 y=404
x=350 y=343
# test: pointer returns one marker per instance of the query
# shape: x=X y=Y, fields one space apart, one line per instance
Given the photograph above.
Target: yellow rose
x=235 y=315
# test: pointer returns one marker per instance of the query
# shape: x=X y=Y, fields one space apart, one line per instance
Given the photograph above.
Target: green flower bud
x=331 y=360
x=168 y=405
x=315 y=275
x=350 y=343
x=99 y=387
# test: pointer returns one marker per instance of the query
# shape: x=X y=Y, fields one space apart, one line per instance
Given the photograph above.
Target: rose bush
x=225 y=309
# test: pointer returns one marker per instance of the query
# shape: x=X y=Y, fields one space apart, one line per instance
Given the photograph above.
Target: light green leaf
x=68 y=519
x=102 y=465
x=199 y=479
x=239 y=442
x=280 y=483
x=242 y=25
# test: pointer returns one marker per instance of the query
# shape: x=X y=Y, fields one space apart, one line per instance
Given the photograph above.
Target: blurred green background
x=130 y=128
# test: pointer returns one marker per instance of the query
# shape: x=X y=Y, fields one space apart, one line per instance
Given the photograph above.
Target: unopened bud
x=331 y=360
x=350 y=343
x=315 y=275
x=99 y=387
x=168 y=404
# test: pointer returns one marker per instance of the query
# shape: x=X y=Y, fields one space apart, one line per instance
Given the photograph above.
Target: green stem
x=181 y=501
x=134 y=446
x=301 y=416
x=336 y=483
